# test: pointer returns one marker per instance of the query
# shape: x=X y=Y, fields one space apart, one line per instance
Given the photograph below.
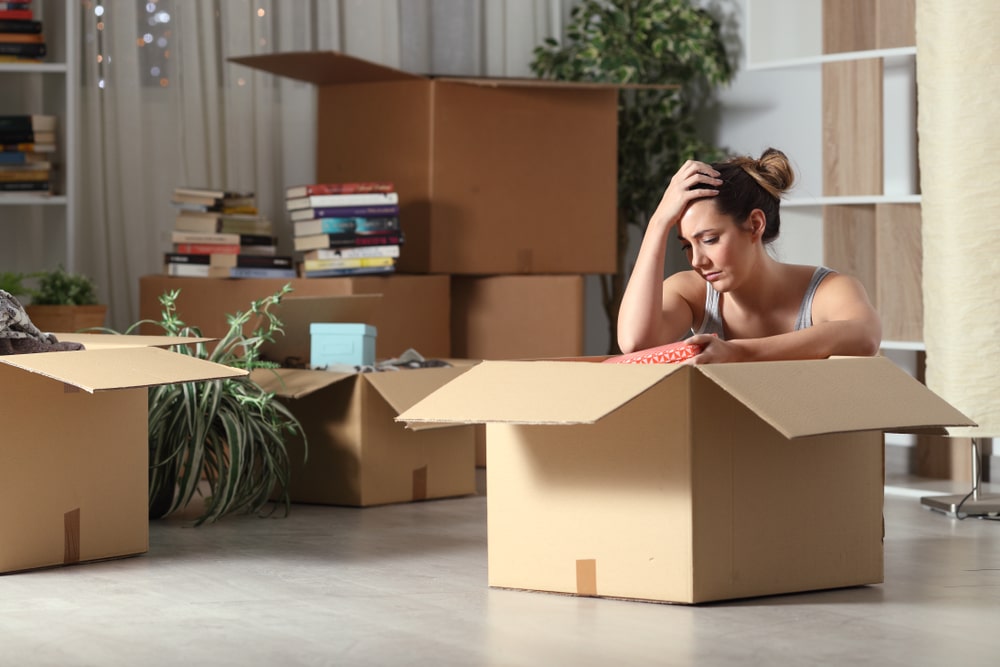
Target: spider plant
x=230 y=433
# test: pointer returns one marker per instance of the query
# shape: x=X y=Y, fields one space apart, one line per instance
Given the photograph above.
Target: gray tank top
x=712 y=322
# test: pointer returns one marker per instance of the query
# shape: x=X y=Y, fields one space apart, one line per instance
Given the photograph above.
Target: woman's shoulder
x=688 y=284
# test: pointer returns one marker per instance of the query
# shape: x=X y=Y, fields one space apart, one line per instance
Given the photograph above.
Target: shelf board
x=31 y=200
x=34 y=68
x=911 y=345
x=809 y=61
x=854 y=200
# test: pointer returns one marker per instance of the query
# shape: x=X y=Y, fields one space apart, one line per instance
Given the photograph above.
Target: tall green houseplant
x=643 y=42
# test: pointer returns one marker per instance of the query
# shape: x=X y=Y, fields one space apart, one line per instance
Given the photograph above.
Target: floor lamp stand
x=971 y=504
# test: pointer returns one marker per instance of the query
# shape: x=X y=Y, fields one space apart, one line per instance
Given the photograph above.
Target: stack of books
x=21 y=39
x=345 y=228
x=220 y=234
x=27 y=143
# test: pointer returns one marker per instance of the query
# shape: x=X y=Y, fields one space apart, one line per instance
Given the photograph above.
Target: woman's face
x=717 y=249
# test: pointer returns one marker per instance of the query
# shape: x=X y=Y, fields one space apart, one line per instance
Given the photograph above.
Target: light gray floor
x=406 y=585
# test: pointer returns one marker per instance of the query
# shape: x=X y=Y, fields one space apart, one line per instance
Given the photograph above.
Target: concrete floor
x=406 y=585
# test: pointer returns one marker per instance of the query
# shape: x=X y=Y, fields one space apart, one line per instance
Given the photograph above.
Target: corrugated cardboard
x=685 y=483
x=358 y=454
x=74 y=464
x=517 y=317
x=414 y=310
x=495 y=176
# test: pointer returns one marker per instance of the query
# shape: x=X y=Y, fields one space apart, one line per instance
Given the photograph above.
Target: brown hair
x=750 y=183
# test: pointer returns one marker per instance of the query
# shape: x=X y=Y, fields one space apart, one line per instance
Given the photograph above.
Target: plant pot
x=66 y=318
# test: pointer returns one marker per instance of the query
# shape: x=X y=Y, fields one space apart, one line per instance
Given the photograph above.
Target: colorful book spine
x=22 y=37
x=200 y=237
x=361 y=199
x=318 y=241
x=206 y=248
x=346 y=263
x=358 y=225
x=8 y=15
x=360 y=251
x=337 y=189
x=391 y=210
x=261 y=272
x=28 y=147
x=361 y=270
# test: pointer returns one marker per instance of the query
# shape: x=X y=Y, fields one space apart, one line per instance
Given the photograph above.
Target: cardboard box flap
x=120 y=368
x=324 y=67
x=537 y=392
x=404 y=388
x=803 y=398
x=516 y=82
x=111 y=341
x=298 y=312
x=295 y=382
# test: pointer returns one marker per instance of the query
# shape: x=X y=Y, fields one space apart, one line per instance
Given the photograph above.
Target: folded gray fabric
x=19 y=336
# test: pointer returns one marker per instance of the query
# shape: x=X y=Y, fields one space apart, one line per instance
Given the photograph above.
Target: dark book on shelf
x=341 y=225
x=360 y=270
x=230 y=259
x=391 y=210
x=27 y=147
x=22 y=158
x=20 y=26
x=26 y=136
x=25 y=186
x=318 y=241
x=34 y=122
x=22 y=50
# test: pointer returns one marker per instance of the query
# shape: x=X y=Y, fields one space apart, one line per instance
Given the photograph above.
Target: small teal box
x=341 y=343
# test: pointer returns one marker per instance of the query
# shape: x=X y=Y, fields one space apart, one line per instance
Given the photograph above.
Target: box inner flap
x=404 y=388
x=804 y=398
x=521 y=82
x=324 y=67
x=295 y=382
x=298 y=312
x=537 y=392
x=120 y=368
x=92 y=341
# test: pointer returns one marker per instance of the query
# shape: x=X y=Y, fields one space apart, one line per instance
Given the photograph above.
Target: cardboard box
x=414 y=311
x=495 y=176
x=358 y=454
x=345 y=343
x=74 y=465
x=517 y=317
x=685 y=484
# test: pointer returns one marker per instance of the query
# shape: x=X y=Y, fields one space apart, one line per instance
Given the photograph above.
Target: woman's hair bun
x=771 y=171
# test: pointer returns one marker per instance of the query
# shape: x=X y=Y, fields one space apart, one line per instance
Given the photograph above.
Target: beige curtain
x=198 y=120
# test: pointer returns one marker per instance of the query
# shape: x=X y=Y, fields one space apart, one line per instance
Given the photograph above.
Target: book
x=359 y=199
x=22 y=157
x=336 y=189
x=209 y=271
x=361 y=270
x=24 y=174
x=28 y=147
x=346 y=263
x=204 y=237
x=257 y=240
x=27 y=136
x=20 y=26
x=207 y=248
x=34 y=122
x=25 y=186
x=318 y=241
x=22 y=50
x=357 y=251
x=390 y=210
x=196 y=221
x=357 y=225
x=261 y=272
x=16 y=15
x=230 y=260
x=231 y=201
x=21 y=37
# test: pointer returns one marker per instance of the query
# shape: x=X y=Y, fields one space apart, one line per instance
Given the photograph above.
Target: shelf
x=904 y=345
x=809 y=61
x=34 y=68
x=31 y=200
x=854 y=200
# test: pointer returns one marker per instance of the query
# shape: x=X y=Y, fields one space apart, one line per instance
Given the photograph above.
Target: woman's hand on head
x=693 y=180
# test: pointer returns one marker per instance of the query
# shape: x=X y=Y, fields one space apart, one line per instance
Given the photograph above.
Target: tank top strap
x=711 y=323
x=805 y=320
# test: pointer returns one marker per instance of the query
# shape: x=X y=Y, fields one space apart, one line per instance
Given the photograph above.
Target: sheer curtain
x=162 y=107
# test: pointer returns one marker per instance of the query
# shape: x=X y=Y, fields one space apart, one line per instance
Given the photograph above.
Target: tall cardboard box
x=495 y=176
x=358 y=454
x=686 y=484
x=414 y=310
x=517 y=317
x=74 y=463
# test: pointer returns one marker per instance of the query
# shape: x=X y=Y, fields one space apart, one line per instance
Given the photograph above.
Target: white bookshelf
x=40 y=231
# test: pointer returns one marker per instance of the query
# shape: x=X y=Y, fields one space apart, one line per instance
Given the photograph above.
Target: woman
x=758 y=308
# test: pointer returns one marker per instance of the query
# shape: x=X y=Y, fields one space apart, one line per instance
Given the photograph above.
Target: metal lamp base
x=970 y=504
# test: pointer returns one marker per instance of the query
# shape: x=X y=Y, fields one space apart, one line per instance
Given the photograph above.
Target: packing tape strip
x=71 y=536
x=420 y=483
x=586 y=577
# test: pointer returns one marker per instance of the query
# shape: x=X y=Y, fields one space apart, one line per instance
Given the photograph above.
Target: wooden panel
x=852 y=127
x=898 y=271
x=896 y=24
x=849 y=243
x=848 y=25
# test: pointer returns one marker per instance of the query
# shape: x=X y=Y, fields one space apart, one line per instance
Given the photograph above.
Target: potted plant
x=229 y=434
x=63 y=301
x=645 y=42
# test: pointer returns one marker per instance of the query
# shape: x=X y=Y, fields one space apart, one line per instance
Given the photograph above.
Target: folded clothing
x=671 y=353
x=19 y=336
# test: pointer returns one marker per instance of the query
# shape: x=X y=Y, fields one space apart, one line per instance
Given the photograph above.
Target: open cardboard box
x=687 y=484
x=74 y=467
x=494 y=175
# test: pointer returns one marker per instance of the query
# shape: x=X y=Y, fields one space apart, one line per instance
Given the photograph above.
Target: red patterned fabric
x=664 y=354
